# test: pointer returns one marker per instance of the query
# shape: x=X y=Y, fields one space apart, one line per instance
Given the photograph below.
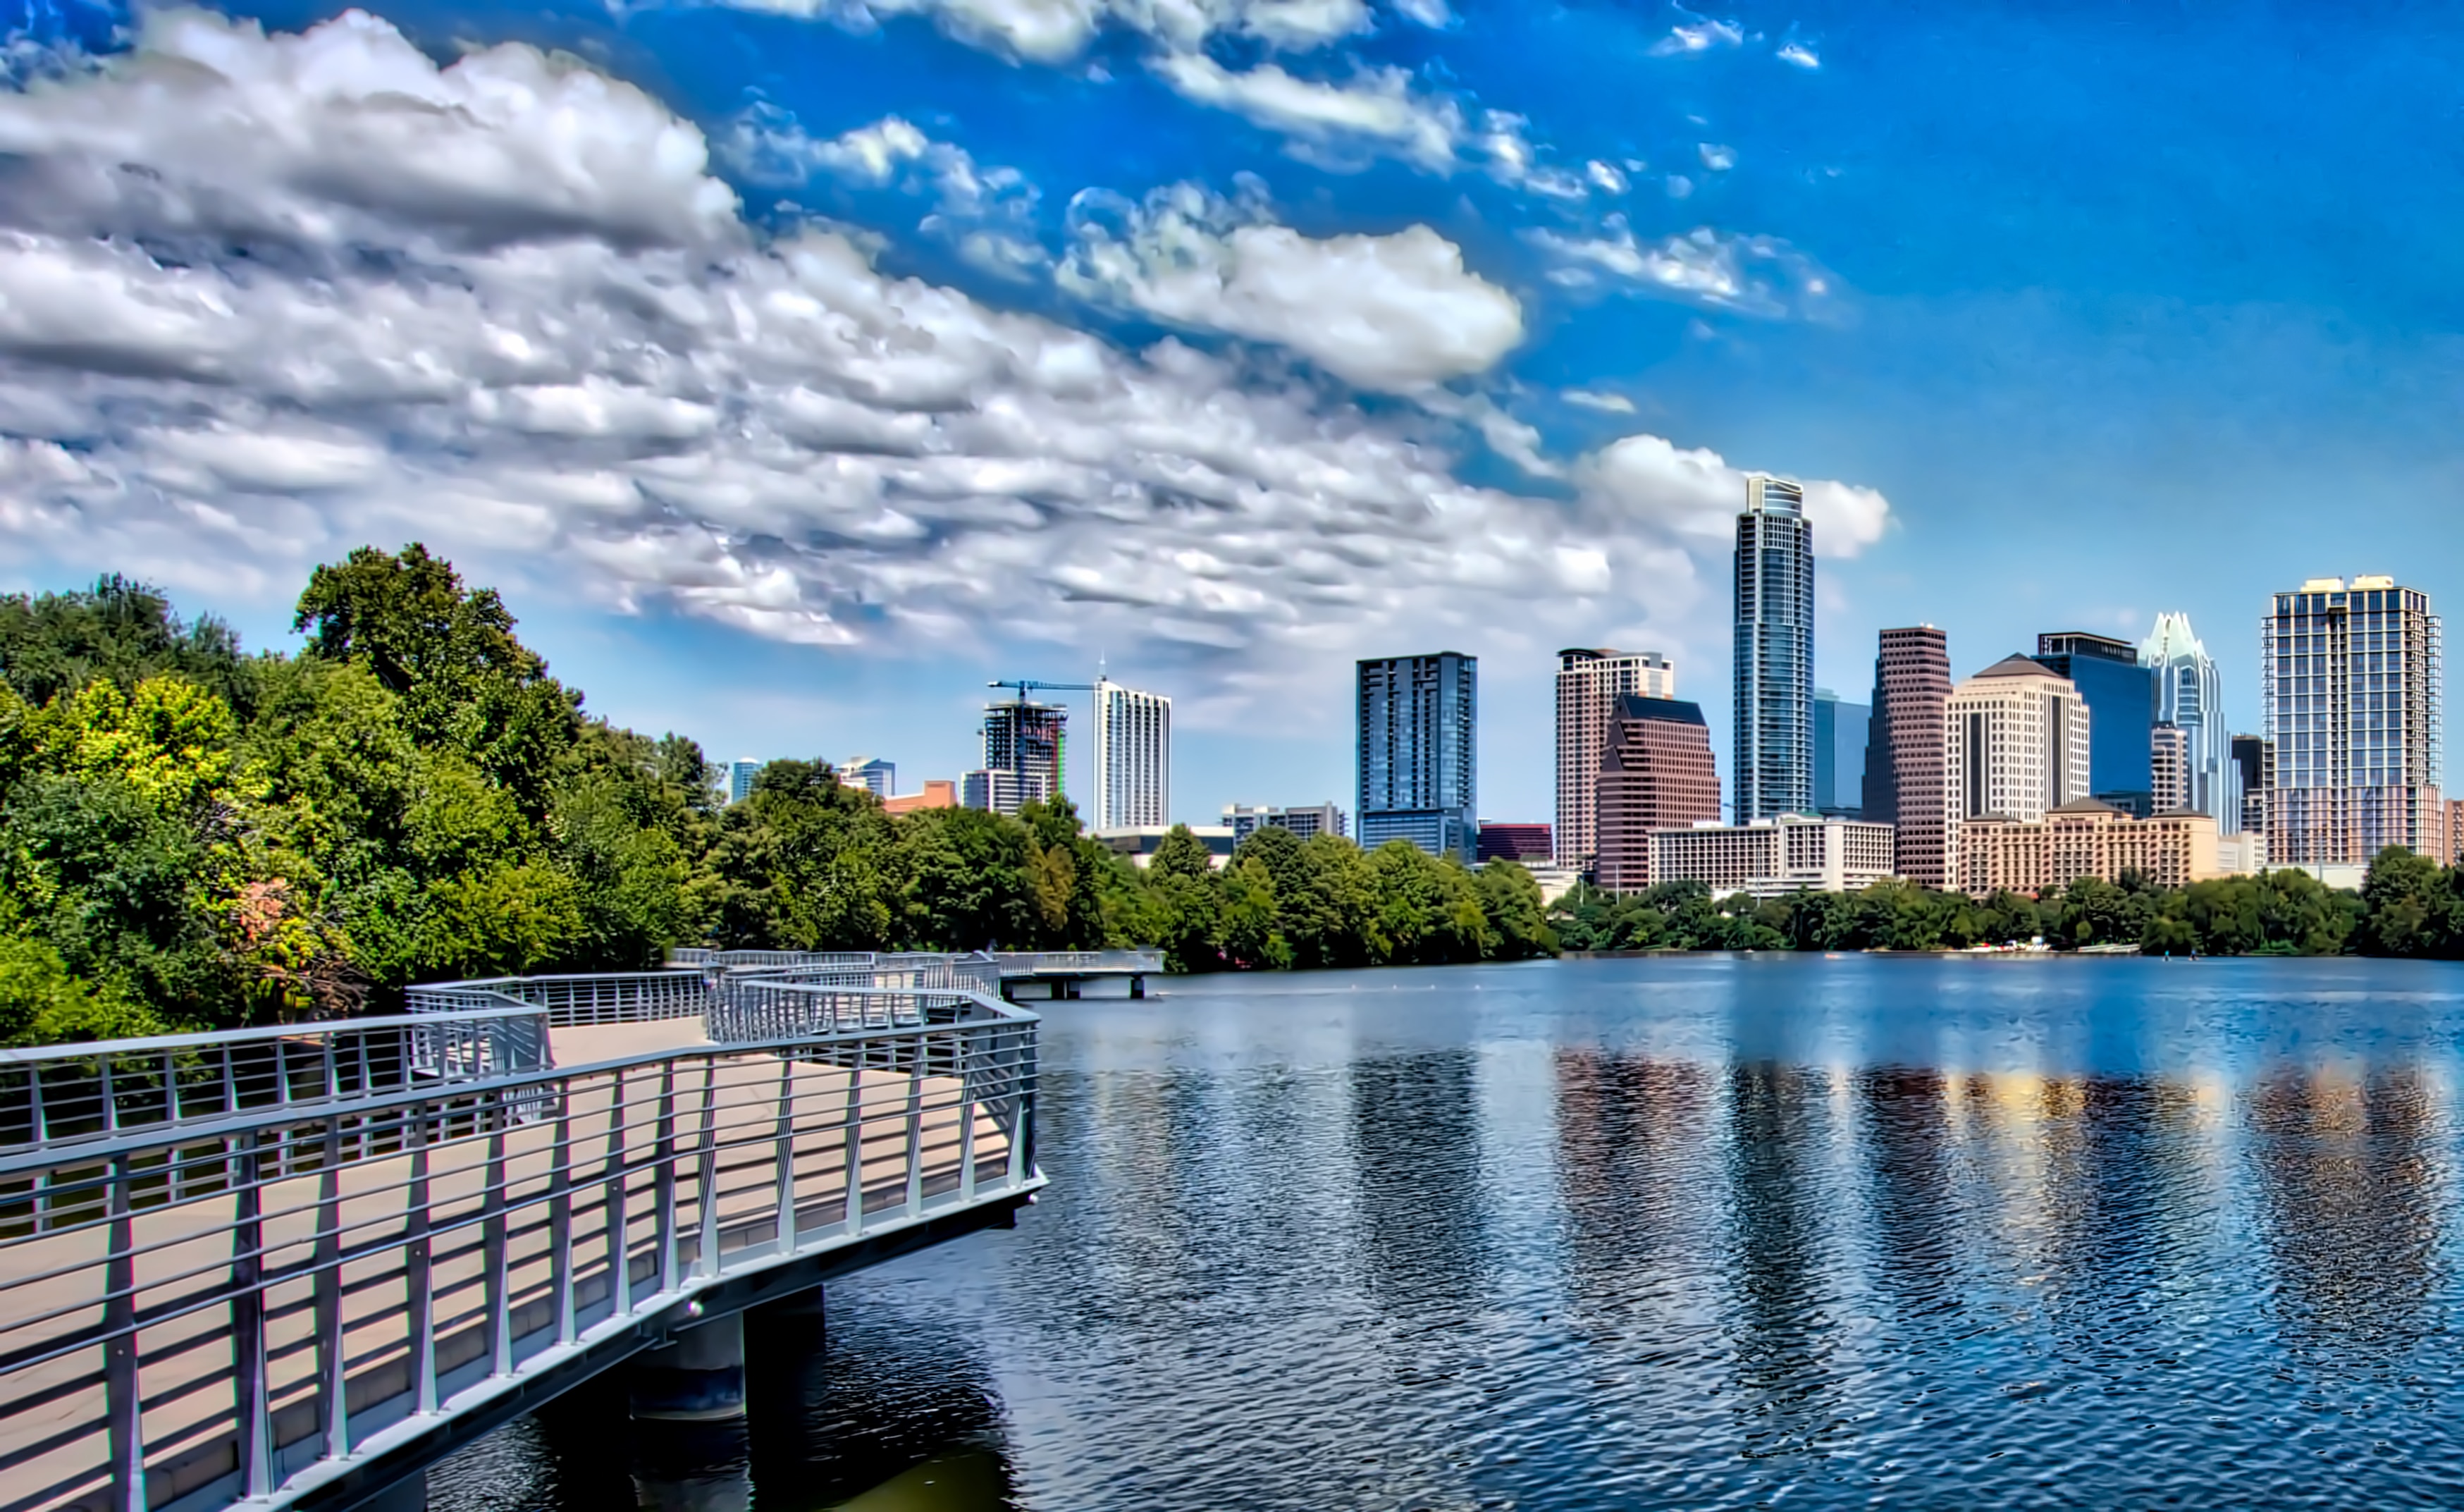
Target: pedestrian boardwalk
x=219 y=1300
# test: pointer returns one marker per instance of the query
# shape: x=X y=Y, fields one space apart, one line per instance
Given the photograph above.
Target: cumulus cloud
x=1699 y=35
x=1398 y=312
x=1377 y=111
x=987 y=213
x=1596 y=399
x=1717 y=158
x=1758 y=275
x=639 y=398
x=1058 y=31
x=1799 y=55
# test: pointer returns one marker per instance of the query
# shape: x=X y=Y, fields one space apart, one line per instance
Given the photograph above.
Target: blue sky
x=797 y=366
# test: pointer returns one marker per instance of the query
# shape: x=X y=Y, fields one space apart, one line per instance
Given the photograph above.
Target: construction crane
x=1022 y=684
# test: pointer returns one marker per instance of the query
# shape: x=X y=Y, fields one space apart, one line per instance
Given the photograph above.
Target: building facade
x=1418 y=729
x=2169 y=770
x=2353 y=676
x=1028 y=742
x=740 y=774
x=2253 y=762
x=1775 y=652
x=1589 y=684
x=1656 y=774
x=2085 y=838
x=1841 y=731
x=939 y=793
x=2190 y=696
x=874 y=776
x=1772 y=857
x=1133 y=784
x=2121 y=697
x=1306 y=820
x=1524 y=845
x=2014 y=744
x=1904 y=771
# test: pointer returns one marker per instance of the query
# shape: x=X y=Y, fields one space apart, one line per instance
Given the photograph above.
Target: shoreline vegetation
x=195 y=837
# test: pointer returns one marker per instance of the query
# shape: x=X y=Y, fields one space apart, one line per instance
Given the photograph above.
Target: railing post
x=965 y=1040
x=500 y=1282
x=854 y=1147
x=331 y=1373
x=787 y=1155
x=615 y=1179
x=916 y=1130
x=560 y=1224
x=124 y=1405
x=666 y=1179
x=419 y=1277
x=251 y=1391
x=706 y=1172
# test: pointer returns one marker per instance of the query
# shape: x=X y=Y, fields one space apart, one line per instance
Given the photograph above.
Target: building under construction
x=1025 y=744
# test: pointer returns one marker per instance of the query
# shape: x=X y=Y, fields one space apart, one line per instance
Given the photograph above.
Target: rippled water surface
x=1691 y=1231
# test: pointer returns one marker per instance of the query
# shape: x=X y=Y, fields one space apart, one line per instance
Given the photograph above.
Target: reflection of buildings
x=1416 y=1148
x=1633 y=1136
x=2346 y=1173
x=1918 y=1224
x=1776 y=1263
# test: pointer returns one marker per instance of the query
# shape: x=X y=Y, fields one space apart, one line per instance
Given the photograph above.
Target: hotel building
x=2085 y=838
x=1772 y=856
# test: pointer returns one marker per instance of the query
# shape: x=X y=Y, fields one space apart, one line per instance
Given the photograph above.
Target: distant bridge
x=291 y=1267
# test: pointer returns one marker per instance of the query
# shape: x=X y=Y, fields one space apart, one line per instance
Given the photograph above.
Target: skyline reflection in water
x=1687 y=1232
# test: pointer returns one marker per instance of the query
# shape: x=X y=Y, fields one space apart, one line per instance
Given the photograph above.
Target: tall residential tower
x=2352 y=679
x=1588 y=685
x=1775 y=652
x=1904 y=750
x=1419 y=723
x=1133 y=758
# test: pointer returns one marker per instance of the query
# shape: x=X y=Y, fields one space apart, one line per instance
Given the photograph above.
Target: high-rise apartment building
x=2254 y=774
x=1905 y=772
x=1025 y=752
x=1841 y=731
x=2190 y=697
x=2014 y=745
x=2121 y=697
x=740 y=774
x=1589 y=684
x=1133 y=758
x=1418 y=724
x=1775 y=652
x=1656 y=774
x=871 y=773
x=2168 y=769
x=2353 y=676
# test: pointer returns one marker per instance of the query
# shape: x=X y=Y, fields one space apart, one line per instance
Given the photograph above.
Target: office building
x=2121 y=697
x=1770 y=857
x=2083 y=838
x=740 y=774
x=2015 y=746
x=2253 y=763
x=1588 y=685
x=1308 y=820
x=939 y=793
x=1841 y=731
x=2245 y=855
x=1905 y=772
x=1419 y=727
x=1133 y=758
x=1025 y=753
x=1656 y=773
x=2352 y=680
x=1524 y=845
x=1775 y=652
x=1140 y=841
x=2169 y=770
x=2190 y=697
x=876 y=777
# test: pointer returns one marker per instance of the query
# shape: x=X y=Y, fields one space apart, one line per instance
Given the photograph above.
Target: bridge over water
x=291 y=1267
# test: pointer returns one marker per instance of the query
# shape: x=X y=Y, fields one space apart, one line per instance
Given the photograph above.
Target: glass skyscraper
x=2121 y=697
x=2190 y=698
x=2353 y=678
x=1420 y=721
x=1841 y=730
x=1775 y=652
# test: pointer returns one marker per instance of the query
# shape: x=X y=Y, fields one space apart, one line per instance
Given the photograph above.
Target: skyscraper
x=2016 y=744
x=1841 y=731
x=873 y=775
x=1026 y=747
x=1656 y=773
x=1133 y=758
x=740 y=774
x=2352 y=679
x=1419 y=723
x=2254 y=774
x=1904 y=773
x=2121 y=695
x=1588 y=685
x=2190 y=697
x=2168 y=769
x=1775 y=652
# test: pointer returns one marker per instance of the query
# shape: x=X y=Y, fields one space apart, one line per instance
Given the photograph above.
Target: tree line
x=193 y=836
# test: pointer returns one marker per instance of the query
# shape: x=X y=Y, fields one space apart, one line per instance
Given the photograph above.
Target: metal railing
x=215 y=1313
x=55 y=1094
x=610 y=998
x=1037 y=963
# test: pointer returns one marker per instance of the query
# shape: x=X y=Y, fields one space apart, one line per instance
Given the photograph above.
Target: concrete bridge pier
x=697 y=1377
x=691 y=1451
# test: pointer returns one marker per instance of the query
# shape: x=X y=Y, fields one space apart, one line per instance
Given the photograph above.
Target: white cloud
x=1596 y=399
x=1058 y=31
x=1701 y=36
x=988 y=213
x=1376 y=111
x=1798 y=53
x=1398 y=312
x=1753 y=275
x=1717 y=159
x=1606 y=176
x=1694 y=495
x=638 y=401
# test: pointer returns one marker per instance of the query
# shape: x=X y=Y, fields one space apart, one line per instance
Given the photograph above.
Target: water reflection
x=1698 y=1234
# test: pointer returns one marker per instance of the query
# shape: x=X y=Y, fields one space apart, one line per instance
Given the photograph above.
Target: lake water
x=1696 y=1232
